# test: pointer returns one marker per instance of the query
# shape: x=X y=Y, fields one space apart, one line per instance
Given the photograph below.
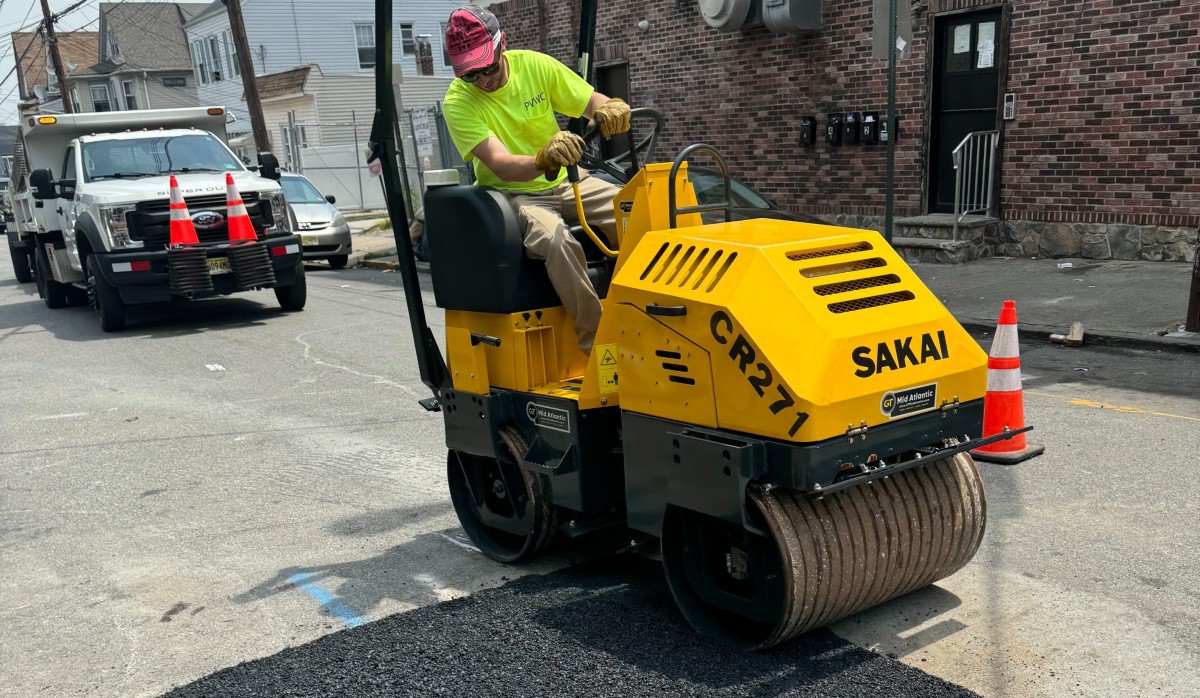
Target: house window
x=174 y=82
x=114 y=49
x=130 y=95
x=231 y=57
x=364 y=38
x=408 y=41
x=100 y=101
x=200 y=62
x=214 y=54
x=445 y=47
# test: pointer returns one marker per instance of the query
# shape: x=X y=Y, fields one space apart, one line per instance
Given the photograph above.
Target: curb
x=1102 y=338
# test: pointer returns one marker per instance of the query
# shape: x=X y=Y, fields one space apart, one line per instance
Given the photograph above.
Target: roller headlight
x=116 y=227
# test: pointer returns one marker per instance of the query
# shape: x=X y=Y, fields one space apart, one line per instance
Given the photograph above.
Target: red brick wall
x=1106 y=129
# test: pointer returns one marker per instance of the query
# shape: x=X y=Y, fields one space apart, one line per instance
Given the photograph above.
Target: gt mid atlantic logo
x=554 y=418
x=897 y=403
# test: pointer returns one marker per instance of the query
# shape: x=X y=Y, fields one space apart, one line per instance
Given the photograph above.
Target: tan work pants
x=544 y=218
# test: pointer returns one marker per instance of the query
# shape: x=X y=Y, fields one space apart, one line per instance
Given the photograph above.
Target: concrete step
x=932 y=251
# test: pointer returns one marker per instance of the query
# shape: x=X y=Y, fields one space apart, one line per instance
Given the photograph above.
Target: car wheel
x=293 y=297
x=105 y=299
x=21 y=264
x=338 y=261
x=53 y=292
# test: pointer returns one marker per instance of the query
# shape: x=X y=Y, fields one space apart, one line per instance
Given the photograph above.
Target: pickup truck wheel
x=338 y=261
x=21 y=264
x=293 y=297
x=56 y=294
x=105 y=299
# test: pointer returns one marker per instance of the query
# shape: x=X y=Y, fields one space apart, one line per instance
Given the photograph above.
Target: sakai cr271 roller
x=784 y=405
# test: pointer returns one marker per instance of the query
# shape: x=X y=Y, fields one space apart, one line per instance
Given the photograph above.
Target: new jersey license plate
x=218 y=265
x=308 y=239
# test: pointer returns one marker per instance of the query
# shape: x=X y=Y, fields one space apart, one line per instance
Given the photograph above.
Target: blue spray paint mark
x=328 y=603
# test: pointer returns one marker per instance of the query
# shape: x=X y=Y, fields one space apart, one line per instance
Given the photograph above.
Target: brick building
x=1100 y=158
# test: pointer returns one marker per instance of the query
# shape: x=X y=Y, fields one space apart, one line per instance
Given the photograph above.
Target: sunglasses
x=482 y=72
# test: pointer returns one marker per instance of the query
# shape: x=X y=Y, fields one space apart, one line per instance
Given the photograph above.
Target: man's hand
x=563 y=150
x=612 y=117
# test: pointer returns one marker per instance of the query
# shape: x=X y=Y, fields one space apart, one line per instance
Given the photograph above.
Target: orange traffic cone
x=1003 y=404
x=183 y=232
x=240 y=228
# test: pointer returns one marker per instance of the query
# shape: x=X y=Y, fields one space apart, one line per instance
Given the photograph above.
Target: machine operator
x=501 y=113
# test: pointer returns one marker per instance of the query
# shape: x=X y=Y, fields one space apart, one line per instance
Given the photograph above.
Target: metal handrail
x=974 y=175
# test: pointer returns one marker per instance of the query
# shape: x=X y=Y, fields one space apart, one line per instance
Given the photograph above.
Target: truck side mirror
x=268 y=166
x=66 y=188
x=42 y=183
x=331 y=199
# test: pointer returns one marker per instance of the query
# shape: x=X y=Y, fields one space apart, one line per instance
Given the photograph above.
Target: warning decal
x=606 y=365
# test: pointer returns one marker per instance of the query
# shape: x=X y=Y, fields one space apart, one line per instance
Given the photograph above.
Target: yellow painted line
x=1078 y=402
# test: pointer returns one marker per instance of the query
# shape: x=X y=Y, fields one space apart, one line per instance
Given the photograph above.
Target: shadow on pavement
x=604 y=628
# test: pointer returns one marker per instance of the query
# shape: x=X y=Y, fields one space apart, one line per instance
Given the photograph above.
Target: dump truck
x=92 y=210
x=782 y=406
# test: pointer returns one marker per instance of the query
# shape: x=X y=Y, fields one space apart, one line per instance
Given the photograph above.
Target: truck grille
x=151 y=222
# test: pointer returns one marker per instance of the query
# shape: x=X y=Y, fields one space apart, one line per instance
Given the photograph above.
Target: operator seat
x=476 y=257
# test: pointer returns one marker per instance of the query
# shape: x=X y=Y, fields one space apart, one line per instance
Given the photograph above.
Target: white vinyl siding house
x=338 y=38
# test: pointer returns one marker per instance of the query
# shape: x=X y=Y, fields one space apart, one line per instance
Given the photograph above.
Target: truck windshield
x=148 y=157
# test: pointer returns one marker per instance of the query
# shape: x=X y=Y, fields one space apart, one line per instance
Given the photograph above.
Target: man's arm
x=596 y=100
x=505 y=165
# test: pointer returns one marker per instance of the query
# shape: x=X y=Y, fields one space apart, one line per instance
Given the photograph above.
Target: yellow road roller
x=783 y=405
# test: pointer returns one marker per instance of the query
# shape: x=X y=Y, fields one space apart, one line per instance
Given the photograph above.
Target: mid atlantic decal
x=554 y=418
x=897 y=403
x=758 y=373
x=900 y=353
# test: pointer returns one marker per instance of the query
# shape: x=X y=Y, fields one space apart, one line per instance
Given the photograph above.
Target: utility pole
x=59 y=69
x=258 y=124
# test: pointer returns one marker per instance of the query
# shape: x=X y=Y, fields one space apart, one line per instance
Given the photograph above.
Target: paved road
x=226 y=497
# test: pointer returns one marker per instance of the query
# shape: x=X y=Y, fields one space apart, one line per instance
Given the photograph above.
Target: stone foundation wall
x=1148 y=243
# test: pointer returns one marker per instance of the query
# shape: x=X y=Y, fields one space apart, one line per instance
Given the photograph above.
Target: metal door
x=966 y=78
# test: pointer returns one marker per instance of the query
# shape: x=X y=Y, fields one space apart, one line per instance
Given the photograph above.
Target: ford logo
x=207 y=220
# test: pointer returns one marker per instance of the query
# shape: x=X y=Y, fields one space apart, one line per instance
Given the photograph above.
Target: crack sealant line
x=1079 y=402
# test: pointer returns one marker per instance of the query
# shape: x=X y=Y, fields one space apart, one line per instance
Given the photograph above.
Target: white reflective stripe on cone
x=1003 y=380
x=1005 y=346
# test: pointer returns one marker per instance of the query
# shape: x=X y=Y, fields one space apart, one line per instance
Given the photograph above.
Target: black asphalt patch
x=606 y=628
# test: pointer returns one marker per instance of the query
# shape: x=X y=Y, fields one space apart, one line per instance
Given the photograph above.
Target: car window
x=298 y=190
x=709 y=190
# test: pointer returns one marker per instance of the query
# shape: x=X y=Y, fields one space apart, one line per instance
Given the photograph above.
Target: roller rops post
x=1004 y=404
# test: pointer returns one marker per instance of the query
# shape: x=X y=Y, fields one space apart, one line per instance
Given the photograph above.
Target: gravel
x=605 y=628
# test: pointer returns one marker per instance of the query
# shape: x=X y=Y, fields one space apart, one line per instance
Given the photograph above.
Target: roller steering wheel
x=639 y=154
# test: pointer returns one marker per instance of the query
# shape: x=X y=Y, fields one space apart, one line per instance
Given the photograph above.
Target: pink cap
x=472 y=37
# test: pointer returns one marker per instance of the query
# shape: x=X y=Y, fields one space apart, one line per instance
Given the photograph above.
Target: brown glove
x=612 y=117
x=563 y=150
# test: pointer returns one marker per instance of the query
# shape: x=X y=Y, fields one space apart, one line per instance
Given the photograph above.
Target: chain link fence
x=333 y=155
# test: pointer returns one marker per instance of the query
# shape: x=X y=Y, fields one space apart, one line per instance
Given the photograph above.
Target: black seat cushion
x=477 y=260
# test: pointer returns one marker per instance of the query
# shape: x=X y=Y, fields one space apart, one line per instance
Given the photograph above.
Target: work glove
x=612 y=117
x=563 y=150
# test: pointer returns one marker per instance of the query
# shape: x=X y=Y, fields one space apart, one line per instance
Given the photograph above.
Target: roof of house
x=79 y=48
x=285 y=82
x=149 y=34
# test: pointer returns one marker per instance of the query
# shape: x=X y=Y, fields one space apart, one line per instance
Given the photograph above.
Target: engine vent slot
x=842 y=268
x=676 y=372
x=856 y=284
x=845 y=249
x=871 y=302
x=657 y=256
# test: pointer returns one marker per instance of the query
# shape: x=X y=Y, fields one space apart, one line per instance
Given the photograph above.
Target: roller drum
x=863 y=546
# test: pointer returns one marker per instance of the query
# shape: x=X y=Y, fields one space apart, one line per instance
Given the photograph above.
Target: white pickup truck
x=91 y=218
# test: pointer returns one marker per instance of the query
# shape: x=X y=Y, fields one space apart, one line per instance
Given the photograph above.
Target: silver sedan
x=324 y=232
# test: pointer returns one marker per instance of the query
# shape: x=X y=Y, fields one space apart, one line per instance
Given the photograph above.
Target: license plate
x=218 y=265
x=308 y=239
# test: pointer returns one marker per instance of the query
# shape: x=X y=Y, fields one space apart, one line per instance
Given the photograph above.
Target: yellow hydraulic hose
x=583 y=222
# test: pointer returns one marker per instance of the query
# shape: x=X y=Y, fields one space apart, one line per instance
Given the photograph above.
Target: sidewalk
x=1130 y=303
